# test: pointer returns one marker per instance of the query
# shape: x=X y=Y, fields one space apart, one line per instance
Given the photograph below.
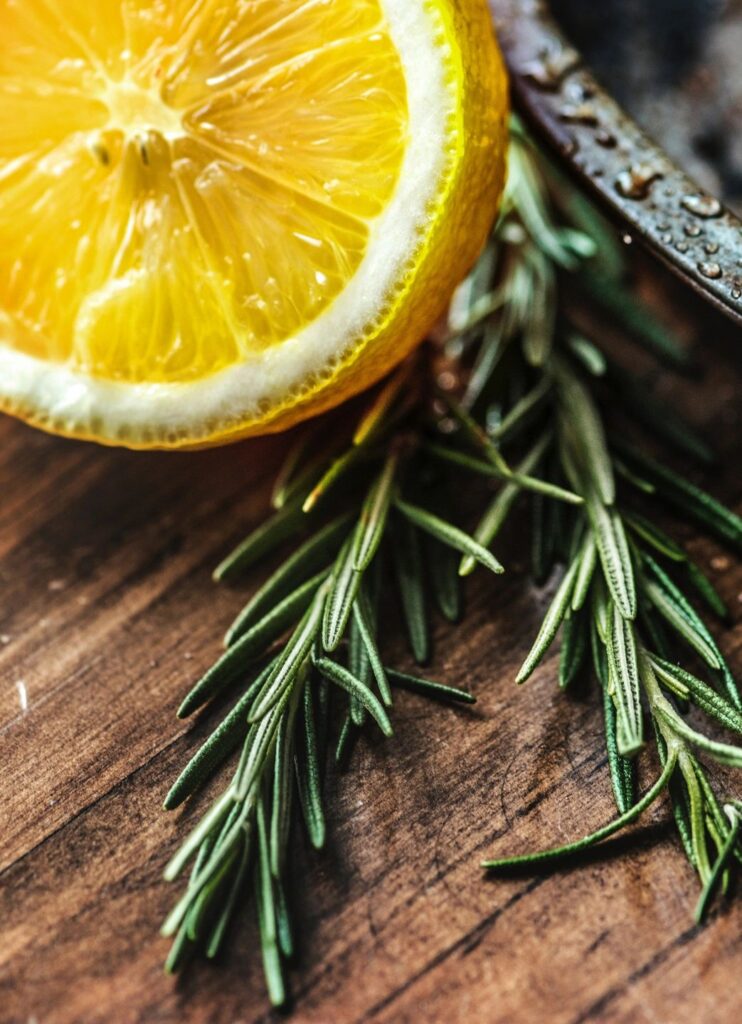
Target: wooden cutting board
x=108 y=614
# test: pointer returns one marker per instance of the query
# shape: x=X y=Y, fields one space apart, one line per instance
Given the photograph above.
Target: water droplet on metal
x=701 y=206
x=681 y=246
x=663 y=226
x=666 y=239
x=710 y=270
x=551 y=67
x=737 y=294
x=578 y=91
x=579 y=113
x=692 y=230
x=605 y=138
x=636 y=181
x=711 y=248
x=627 y=239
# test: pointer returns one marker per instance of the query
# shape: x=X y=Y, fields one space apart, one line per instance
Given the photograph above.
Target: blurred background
x=676 y=65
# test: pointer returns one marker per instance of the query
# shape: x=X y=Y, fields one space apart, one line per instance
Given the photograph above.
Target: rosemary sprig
x=322 y=607
x=626 y=585
x=519 y=407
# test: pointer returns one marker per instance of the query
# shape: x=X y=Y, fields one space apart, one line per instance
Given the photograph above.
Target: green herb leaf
x=261 y=542
x=259 y=745
x=267 y=919
x=724 y=753
x=696 y=818
x=291 y=661
x=550 y=625
x=443 y=564
x=712 y=653
x=298 y=464
x=345 y=583
x=586 y=433
x=376 y=418
x=496 y=514
x=373 y=516
x=311 y=556
x=346 y=738
x=280 y=821
x=588 y=354
x=429 y=688
x=615 y=558
x=363 y=618
x=526 y=191
x=587 y=560
x=538 y=330
x=574 y=646
x=225 y=738
x=309 y=775
x=337 y=470
x=446 y=533
x=706 y=590
x=725 y=855
x=408 y=564
x=655 y=537
x=523 y=412
x=229 y=904
x=624 y=671
x=251 y=645
x=622 y=769
x=672 y=613
x=690 y=499
x=345 y=680
x=542 y=541
x=703 y=695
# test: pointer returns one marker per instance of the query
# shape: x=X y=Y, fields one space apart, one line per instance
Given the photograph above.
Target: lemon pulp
x=183 y=184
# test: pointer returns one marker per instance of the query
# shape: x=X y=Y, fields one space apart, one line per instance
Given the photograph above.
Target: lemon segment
x=220 y=216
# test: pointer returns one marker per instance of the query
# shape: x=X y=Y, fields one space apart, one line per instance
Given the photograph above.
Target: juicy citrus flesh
x=186 y=186
x=202 y=228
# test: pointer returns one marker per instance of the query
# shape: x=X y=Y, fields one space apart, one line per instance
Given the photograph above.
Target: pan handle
x=650 y=196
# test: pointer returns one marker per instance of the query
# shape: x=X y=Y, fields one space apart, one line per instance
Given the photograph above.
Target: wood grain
x=107 y=613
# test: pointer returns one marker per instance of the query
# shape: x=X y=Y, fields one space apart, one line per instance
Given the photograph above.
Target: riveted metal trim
x=652 y=198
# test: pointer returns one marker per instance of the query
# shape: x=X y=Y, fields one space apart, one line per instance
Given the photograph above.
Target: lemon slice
x=218 y=217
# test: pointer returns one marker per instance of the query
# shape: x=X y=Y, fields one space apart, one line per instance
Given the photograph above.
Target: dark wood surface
x=107 y=614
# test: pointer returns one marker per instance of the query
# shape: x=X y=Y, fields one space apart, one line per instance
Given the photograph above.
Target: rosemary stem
x=557 y=852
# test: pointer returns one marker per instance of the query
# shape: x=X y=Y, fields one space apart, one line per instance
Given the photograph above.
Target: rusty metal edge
x=599 y=143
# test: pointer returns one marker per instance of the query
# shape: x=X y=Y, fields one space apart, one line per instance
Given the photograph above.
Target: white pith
x=64 y=399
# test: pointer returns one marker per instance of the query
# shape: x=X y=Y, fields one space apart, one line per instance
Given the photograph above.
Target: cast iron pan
x=649 y=195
